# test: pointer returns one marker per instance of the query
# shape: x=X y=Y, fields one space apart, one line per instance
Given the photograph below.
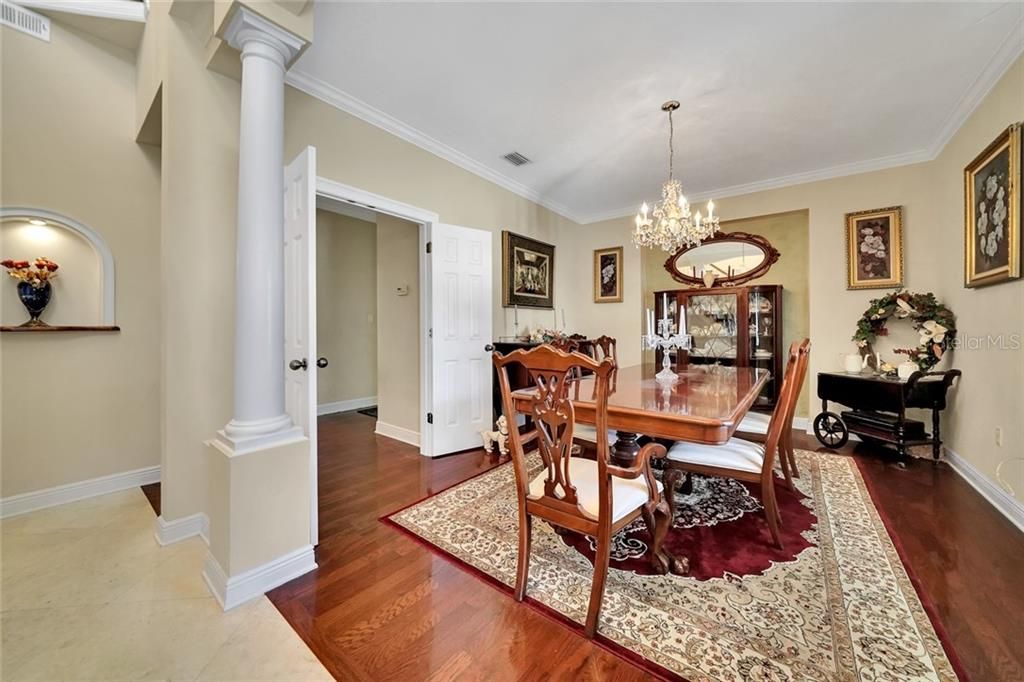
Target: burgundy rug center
x=720 y=525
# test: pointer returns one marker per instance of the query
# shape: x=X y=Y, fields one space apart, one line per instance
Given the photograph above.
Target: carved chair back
x=565 y=344
x=781 y=414
x=604 y=347
x=554 y=376
x=803 y=356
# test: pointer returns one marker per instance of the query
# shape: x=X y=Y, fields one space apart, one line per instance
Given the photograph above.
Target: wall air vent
x=516 y=159
x=24 y=20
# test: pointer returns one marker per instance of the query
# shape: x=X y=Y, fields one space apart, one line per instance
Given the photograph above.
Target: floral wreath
x=935 y=323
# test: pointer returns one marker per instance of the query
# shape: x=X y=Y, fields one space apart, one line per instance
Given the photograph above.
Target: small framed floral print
x=874 y=248
x=992 y=212
x=608 y=275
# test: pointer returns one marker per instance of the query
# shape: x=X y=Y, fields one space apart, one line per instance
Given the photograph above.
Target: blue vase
x=34 y=299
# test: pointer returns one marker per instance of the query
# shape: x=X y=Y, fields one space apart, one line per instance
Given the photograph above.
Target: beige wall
x=81 y=405
x=398 y=323
x=788 y=233
x=582 y=314
x=931 y=194
x=346 y=307
x=356 y=153
x=197 y=249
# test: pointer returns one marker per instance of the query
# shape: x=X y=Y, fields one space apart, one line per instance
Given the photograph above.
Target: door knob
x=321 y=362
x=297 y=364
x=489 y=347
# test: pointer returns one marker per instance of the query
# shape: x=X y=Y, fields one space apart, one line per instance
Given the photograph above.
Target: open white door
x=300 y=309
x=460 y=279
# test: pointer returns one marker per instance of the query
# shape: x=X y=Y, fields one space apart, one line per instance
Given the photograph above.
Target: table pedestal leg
x=625 y=450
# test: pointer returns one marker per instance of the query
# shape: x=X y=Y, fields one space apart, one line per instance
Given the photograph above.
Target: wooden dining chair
x=592 y=497
x=604 y=347
x=600 y=348
x=740 y=459
x=754 y=425
x=564 y=344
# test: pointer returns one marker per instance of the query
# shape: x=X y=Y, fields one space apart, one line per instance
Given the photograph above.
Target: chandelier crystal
x=671 y=225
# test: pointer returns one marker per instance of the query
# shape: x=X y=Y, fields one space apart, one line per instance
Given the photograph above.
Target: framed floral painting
x=992 y=212
x=608 y=275
x=874 y=248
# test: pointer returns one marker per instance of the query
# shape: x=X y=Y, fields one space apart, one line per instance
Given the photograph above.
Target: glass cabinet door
x=761 y=330
x=712 y=321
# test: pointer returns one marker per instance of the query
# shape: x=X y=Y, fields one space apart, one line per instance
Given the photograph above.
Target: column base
x=259 y=518
x=240 y=437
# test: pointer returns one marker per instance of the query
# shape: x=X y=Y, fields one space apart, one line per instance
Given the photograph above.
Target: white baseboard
x=169 y=532
x=345 y=405
x=398 y=433
x=1008 y=506
x=72 y=492
x=235 y=590
x=802 y=423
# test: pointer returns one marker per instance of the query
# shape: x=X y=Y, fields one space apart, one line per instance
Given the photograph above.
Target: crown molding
x=339 y=99
x=120 y=10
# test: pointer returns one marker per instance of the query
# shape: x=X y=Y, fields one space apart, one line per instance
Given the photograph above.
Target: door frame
x=336 y=191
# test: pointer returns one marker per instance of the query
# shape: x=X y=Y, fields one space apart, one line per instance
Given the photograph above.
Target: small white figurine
x=500 y=437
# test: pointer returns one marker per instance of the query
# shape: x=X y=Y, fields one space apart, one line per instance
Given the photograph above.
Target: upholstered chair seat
x=627 y=493
x=736 y=455
x=588 y=434
x=755 y=422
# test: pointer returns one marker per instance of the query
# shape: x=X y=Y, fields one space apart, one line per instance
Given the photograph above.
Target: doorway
x=368 y=317
x=454 y=286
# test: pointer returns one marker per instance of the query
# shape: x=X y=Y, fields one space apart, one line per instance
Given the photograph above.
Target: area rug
x=836 y=604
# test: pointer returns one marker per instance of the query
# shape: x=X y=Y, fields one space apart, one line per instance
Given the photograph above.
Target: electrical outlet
x=999 y=436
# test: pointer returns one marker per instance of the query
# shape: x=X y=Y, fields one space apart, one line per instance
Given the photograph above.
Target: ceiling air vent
x=516 y=159
x=24 y=20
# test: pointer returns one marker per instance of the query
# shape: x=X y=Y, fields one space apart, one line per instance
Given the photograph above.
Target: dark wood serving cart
x=878 y=408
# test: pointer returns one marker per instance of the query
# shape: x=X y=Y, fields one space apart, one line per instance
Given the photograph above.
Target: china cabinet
x=735 y=326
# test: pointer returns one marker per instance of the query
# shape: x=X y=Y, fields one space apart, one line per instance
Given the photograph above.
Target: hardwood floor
x=381 y=606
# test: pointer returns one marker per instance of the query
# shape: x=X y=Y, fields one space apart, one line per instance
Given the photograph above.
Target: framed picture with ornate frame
x=874 y=248
x=608 y=275
x=992 y=181
x=527 y=272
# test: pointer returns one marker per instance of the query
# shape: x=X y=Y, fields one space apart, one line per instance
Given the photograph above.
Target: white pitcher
x=854 y=363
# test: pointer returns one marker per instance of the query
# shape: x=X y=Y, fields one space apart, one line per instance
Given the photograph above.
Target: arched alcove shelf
x=104 y=256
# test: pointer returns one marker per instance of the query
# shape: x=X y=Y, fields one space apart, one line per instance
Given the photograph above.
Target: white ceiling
x=772 y=94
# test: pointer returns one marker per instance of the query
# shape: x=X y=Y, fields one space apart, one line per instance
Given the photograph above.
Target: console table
x=878 y=408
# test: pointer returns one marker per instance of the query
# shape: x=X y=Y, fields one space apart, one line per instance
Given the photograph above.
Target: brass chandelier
x=671 y=226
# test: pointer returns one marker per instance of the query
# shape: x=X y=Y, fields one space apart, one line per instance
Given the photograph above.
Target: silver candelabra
x=667 y=339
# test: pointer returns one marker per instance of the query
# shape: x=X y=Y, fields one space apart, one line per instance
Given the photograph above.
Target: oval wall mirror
x=732 y=257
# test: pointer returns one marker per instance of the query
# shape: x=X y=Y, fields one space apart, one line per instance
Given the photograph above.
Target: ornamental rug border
x=843 y=609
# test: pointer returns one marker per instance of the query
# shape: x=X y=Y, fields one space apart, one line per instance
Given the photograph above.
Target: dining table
x=705 y=405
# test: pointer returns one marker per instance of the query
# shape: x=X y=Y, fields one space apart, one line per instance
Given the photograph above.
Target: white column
x=259 y=416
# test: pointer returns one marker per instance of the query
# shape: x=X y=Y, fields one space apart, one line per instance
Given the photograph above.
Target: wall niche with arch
x=82 y=297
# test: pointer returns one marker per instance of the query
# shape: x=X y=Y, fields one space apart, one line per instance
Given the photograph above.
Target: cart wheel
x=830 y=430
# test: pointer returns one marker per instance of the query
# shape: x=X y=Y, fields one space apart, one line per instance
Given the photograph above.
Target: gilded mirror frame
x=771 y=256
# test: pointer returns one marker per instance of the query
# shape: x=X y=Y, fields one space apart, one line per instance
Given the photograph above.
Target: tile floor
x=87 y=594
